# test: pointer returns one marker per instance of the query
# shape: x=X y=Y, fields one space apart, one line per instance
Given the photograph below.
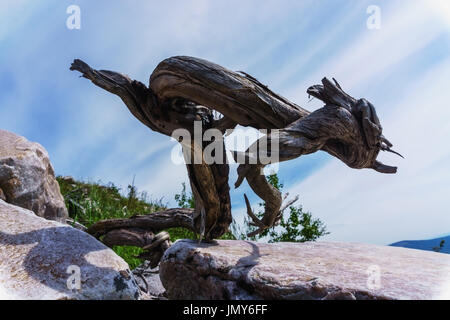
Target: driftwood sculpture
x=184 y=90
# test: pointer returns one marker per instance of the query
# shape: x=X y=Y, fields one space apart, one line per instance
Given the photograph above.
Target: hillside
x=425 y=244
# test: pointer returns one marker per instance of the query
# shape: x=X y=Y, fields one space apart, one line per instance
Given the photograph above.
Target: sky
x=402 y=67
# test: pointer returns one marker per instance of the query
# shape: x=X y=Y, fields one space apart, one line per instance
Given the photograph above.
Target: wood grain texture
x=183 y=90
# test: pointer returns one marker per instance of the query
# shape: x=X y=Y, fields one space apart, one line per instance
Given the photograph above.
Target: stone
x=27 y=177
x=231 y=269
x=149 y=281
x=43 y=259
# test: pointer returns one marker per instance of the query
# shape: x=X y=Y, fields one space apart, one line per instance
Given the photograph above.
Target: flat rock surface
x=27 y=178
x=42 y=259
x=228 y=269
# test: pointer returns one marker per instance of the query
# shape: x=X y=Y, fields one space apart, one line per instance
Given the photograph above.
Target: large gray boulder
x=313 y=270
x=42 y=259
x=27 y=178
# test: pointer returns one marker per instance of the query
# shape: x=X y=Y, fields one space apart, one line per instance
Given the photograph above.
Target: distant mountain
x=425 y=244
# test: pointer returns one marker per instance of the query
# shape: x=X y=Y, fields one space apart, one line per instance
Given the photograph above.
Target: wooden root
x=184 y=90
x=143 y=231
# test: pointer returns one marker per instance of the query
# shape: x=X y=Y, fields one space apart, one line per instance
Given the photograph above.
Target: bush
x=300 y=226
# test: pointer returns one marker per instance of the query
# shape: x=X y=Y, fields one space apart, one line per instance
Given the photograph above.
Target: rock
x=313 y=270
x=149 y=281
x=42 y=259
x=27 y=177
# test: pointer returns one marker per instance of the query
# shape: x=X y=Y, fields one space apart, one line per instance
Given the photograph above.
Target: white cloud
x=405 y=29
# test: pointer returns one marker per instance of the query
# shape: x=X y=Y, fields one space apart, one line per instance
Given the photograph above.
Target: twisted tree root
x=143 y=231
x=183 y=90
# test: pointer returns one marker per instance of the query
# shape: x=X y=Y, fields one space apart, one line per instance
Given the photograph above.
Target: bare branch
x=254 y=218
x=154 y=222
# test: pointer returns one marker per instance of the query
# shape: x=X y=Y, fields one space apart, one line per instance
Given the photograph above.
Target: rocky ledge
x=313 y=270
x=42 y=259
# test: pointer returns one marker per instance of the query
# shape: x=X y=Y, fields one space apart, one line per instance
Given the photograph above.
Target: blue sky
x=403 y=69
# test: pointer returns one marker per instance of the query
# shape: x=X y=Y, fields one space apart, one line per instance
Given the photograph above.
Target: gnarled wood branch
x=144 y=231
x=183 y=90
x=153 y=222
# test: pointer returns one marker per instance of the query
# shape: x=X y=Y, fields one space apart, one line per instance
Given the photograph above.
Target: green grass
x=129 y=254
x=90 y=202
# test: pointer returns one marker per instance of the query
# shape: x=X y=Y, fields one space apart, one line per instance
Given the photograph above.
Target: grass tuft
x=90 y=202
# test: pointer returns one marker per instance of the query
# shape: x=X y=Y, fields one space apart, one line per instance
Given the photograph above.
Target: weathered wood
x=153 y=222
x=239 y=97
x=346 y=128
x=128 y=237
x=183 y=90
x=165 y=116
